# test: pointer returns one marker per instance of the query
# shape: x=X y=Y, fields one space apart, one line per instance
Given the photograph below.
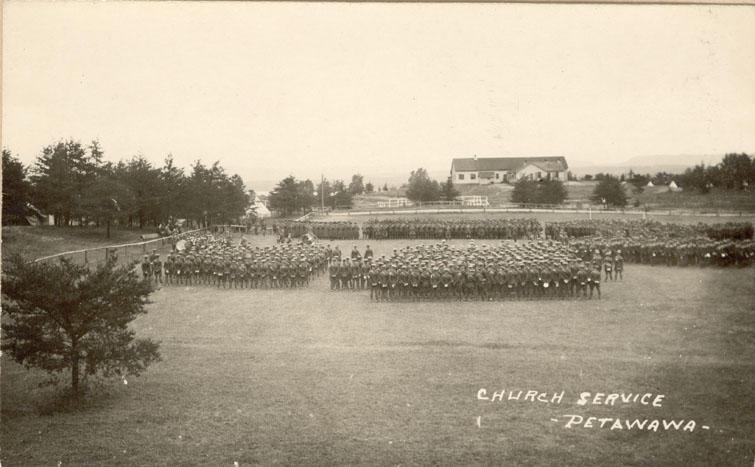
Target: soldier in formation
x=337 y=230
x=511 y=271
x=215 y=261
x=660 y=251
x=647 y=228
x=504 y=228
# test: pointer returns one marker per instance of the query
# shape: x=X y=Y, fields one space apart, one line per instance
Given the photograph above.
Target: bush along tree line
x=538 y=192
x=734 y=172
x=423 y=189
x=292 y=196
x=609 y=192
x=73 y=182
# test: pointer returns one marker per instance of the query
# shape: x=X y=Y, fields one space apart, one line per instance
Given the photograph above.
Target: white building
x=486 y=170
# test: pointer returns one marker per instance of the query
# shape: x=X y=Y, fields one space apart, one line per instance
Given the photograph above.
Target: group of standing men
x=510 y=271
x=206 y=259
x=508 y=228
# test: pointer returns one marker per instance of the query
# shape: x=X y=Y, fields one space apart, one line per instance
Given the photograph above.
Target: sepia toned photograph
x=300 y=233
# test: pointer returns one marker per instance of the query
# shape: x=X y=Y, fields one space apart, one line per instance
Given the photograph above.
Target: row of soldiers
x=215 y=261
x=504 y=228
x=647 y=228
x=525 y=271
x=693 y=251
x=337 y=230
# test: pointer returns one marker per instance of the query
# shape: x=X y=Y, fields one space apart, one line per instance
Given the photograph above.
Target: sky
x=272 y=89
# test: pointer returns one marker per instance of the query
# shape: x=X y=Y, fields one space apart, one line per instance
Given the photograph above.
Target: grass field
x=38 y=241
x=661 y=198
x=317 y=377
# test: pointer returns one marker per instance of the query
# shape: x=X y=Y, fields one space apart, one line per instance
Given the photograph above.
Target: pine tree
x=65 y=317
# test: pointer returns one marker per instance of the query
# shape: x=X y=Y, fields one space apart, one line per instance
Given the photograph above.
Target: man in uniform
x=368 y=253
x=582 y=280
x=355 y=255
x=157 y=270
x=334 y=273
x=595 y=281
x=146 y=268
x=619 y=266
x=608 y=266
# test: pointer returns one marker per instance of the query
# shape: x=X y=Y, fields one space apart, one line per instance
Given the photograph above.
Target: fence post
x=86 y=260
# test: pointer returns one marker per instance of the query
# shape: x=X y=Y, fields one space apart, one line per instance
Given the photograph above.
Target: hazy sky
x=271 y=89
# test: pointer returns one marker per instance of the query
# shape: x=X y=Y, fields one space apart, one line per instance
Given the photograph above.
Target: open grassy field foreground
x=314 y=377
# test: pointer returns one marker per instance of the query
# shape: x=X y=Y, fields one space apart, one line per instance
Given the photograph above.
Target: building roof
x=472 y=164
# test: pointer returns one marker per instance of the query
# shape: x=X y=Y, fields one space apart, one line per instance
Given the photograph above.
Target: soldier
x=374 y=284
x=619 y=265
x=157 y=270
x=595 y=281
x=355 y=255
x=608 y=266
x=582 y=280
x=435 y=281
x=168 y=267
x=146 y=268
x=368 y=254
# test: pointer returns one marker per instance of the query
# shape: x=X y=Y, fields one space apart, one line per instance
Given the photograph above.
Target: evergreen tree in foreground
x=61 y=316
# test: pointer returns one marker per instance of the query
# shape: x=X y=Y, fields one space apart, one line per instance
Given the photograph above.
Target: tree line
x=76 y=185
x=292 y=196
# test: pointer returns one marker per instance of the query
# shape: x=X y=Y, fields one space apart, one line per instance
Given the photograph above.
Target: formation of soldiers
x=510 y=271
x=338 y=230
x=215 y=261
x=350 y=273
x=512 y=228
x=647 y=228
x=657 y=243
x=693 y=251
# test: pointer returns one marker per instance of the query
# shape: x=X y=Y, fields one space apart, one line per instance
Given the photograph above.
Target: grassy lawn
x=661 y=198
x=38 y=241
x=317 y=377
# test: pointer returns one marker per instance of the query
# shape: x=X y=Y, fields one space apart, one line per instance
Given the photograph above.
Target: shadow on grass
x=50 y=397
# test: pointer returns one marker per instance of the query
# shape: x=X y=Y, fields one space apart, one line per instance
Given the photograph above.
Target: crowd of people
x=524 y=271
x=693 y=251
x=206 y=259
x=336 y=230
x=647 y=228
x=657 y=243
x=510 y=228
x=570 y=264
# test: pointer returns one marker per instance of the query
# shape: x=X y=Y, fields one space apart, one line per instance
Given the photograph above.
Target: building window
x=497 y=176
x=461 y=176
x=472 y=176
x=539 y=175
